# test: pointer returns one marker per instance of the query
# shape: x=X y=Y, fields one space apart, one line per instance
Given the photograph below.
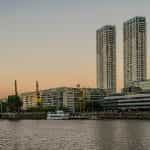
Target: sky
x=54 y=41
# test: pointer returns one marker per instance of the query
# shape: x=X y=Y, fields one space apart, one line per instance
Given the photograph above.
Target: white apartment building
x=134 y=50
x=106 y=58
x=29 y=99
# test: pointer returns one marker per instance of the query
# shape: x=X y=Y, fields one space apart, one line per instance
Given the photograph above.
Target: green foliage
x=33 y=109
x=39 y=102
x=14 y=103
x=65 y=109
x=78 y=106
x=93 y=106
x=3 y=106
x=42 y=109
x=88 y=106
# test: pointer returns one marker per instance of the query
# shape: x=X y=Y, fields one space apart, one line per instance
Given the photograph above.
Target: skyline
x=39 y=41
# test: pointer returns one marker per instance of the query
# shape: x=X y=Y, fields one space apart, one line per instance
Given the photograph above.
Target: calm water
x=75 y=135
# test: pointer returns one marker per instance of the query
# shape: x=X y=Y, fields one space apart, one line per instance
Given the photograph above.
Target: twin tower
x=134 y=47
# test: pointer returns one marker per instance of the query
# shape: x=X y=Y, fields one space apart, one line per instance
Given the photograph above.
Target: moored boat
x=58 y=115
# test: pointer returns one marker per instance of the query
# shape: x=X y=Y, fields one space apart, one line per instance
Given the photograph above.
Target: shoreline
x=81 y=116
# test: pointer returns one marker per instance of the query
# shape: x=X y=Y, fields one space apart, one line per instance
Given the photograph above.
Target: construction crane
x=16 y=88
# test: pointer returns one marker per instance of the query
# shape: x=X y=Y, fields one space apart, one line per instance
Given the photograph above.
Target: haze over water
x=75 y=135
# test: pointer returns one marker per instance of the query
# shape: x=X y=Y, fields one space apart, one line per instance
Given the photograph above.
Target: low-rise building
x=127 y=102
x=74 y=99
x=48 y=97
x=77 y=99
x=52 y=97
x=71 y=98
x=144 y=85
x=29 y=99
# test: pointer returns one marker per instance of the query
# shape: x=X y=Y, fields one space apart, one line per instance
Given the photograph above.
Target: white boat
x=58 y=115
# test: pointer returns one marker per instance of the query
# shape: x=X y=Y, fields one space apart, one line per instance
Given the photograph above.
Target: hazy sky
x=54 y=41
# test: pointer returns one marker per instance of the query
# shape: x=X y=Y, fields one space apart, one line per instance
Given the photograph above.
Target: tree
x=14 y=103
x=3 y=106
x=39 y=102
x=94 y=106
x=41 y=109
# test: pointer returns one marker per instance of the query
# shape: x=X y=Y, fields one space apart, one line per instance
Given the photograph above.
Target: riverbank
x=26 y=115
x=120 y=115
x=80 y=116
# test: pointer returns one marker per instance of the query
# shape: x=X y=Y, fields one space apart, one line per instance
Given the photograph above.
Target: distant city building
x=76 y=98
x=106 y=58
x=144 y=85
x=127 y=102
x=29 y=100
x=52 y=97
x=93 y=94
x=131 y=90
x=71 y=98
x=134 y=50
x=48 y=97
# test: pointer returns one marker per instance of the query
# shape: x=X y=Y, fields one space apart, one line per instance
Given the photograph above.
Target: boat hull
x=59 y=115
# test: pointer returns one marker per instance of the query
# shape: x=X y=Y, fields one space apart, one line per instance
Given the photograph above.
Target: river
x=75 y=135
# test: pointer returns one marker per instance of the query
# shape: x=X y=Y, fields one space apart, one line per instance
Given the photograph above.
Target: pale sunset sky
x=54 y=41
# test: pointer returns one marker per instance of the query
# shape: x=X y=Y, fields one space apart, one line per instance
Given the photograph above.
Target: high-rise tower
x=134 y=50
x=106 y=58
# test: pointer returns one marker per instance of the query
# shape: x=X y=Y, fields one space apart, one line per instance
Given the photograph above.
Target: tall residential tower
x=134 y=50
x=106 y=58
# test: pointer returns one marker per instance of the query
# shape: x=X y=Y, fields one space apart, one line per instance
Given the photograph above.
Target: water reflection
x=75 y=135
